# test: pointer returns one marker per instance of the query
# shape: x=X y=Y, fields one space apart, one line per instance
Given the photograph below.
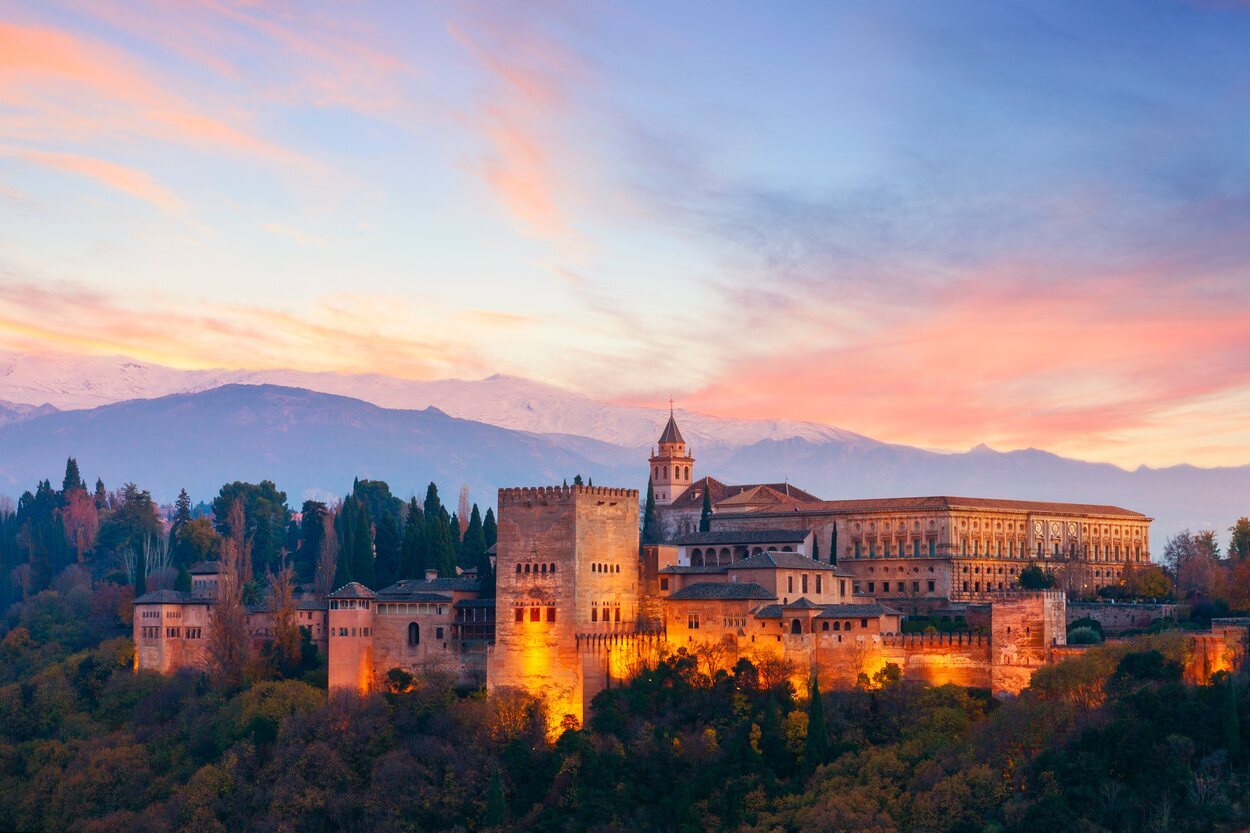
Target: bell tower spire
x=672 y=464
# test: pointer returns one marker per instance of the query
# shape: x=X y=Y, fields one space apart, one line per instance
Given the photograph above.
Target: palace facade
x=779 y=574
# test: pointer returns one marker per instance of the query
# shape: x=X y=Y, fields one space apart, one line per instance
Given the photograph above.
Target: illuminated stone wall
x=351 y=646
x=157 y=650
x=1023 y=630
x=567 y=565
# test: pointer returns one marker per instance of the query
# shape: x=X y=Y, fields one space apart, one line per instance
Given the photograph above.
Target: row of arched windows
x=679 y=472
x=537 y=568
x=596 y=567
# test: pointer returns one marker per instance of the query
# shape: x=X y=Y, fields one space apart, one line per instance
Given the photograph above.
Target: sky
x=940 y=224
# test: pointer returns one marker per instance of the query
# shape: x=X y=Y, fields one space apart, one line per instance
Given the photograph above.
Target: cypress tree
x=833 y=545
x=362 y=550
x=345 y=527
x=73 y=480
x=577 y=480
x=489 y=528
x=496 y=806
x=705 y=518
x=441 y=552
x=815 y=549
x=816 y=748
x=432 y=504
x=1231 y=720
x=389 y=548
x=473 y=546
x=650 y=533
x=413 y=554
x=183 y=582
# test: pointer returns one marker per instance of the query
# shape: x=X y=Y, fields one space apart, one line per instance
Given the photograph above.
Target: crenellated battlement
x=916 y=639
x=563 y=493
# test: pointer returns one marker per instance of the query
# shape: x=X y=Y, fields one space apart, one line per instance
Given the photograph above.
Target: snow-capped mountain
x=73 y=382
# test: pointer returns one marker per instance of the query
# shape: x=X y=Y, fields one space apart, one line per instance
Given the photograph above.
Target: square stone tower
x=567 y=567
x=1024 y=627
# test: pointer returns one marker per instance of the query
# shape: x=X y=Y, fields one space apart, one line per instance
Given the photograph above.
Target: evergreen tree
x=1231 y=720
x=345 y=529
x=182 y=509
x=815 y=549
x=73 y=480
x=362 y=550
x=183 y=582
x=489 y=528
x=182 y=517
x=566 y=482
x=433 y=506
x=705 y=518
x=577 y=480
x=496 y=801
x=413 y=556
x=816 y=748
x=590 y=481
x=650 y=530
x=456 y=542
x=833 y=545
x=101 y=496
x=311 y=531
x=473 y=545
x=388 y=545
x=441 y=551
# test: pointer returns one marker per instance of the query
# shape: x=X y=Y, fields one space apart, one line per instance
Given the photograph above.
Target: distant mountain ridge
x=312 y=444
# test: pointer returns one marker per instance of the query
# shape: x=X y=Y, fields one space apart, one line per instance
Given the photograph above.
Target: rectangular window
x=857 y=549
x=818 y=584
x=438 y=633
x=664 y=584
x=915 y=587
x=804 y=583
x=854 y=587
x=872 y=549
x=692 y=621
x=900 y=549
x=965 y=587
x=535 y=614
x=872 y=587
x=520 y=614
x=594 y=614
x=915 y=548
x=364 y=632
x=551 y=614
x=902 y=587
x=930 y=587
x=616 y=613
x=789 y=584
x=932 y=548
x=863 y=623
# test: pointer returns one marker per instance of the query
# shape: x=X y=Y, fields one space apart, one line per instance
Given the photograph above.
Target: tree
x=286 y=624
x=345 y=531
x=441 y=550
x=816 y=746
x=240 y=543
x=73 y=481
x=81 y=521
x=496 y=806
x=413 y=556
x=196 y=541
x=327 y=557
x=101 y=496
x=705 y=518
x=183 y=582
x=311 y=528
x=473 y=544
x=229 y=649
x=1192 y=560
x=650 y=524
x=362 y=549
x=490 y=529
x=462 y=512
x=388 y=545
x=1148 y=582
x=1230 y=720
x=1239 y=543
x=577 y=480
x=376 y=498
x=265 y=512
x=1034 y=577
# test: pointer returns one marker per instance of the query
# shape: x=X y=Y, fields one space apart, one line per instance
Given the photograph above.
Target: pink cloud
x=127 y=180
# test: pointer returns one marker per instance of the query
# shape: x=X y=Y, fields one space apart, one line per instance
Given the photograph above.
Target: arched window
x=687 y=472
x=696 y=557
x=837 y=626
x=666 y=472
x=553 y=568
x=544 y=568
x=527 y=568
x=796 y=627
x=824 y=626
x=414 y=634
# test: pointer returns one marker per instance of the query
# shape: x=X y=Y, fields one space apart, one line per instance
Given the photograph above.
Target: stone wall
x=1117 y=618
x=588 y=539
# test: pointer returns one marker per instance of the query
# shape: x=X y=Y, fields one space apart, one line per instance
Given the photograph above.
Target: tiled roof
x=353 y=590
x=947 y=502
x=780 y=560
x=475 y=603
x=831 y=611
x=722 y=590
x=416 y=596
x=671 y=433
x=310 y=604
x=687 y=570
x=164 y=597
x=801 y=603
x=437 y=585
x=743 y=536
x=693 y=496
x=202 y=568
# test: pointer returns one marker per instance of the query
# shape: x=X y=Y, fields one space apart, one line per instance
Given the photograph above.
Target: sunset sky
x=939 y=224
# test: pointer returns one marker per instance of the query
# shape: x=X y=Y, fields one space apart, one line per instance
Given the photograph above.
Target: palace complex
x=776 y=573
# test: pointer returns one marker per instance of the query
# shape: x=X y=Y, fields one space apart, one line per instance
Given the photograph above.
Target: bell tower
x=671 y=465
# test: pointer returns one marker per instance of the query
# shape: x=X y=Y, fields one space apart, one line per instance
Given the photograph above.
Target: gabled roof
x=722 y=591
x=353 y=590
x=947 y=502
x=780 y=560
x=671 y=433
x=743 y=536
x=693 y=495
x=801 y=603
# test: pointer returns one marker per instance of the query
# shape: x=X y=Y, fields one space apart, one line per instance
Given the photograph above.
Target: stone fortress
x=779 y=574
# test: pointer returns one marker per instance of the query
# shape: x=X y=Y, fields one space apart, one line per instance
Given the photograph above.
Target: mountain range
x=312 y=433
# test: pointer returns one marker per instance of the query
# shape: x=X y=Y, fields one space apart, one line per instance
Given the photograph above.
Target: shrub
x=1084 y=636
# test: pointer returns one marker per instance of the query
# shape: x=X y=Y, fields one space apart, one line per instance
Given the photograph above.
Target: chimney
x=430 y=575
